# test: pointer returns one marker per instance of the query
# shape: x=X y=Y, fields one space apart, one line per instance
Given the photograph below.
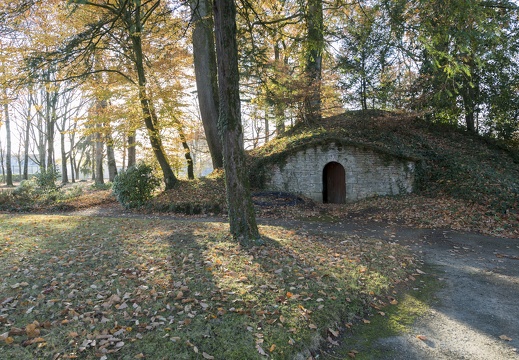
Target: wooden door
x=334 y=183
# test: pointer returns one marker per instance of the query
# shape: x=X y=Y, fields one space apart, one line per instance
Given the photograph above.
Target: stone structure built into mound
x=338 y=173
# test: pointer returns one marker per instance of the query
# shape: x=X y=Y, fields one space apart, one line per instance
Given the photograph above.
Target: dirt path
x=478 y=305
x=477 y=316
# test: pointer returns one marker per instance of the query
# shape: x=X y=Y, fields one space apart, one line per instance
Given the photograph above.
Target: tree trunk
x=132 y=155
x=110 y=155
x=314 y=57
x=9 y=170
x=52 y=100
x=279 y=107
x=64 y=172
x=241 y=211
x=19 y=159
x=112 y=165
x=206 y=76
x=150 y=118
x=267 y=127
x=41 y=143
x=99 y=176
x=93 y=157
x=72 y=168
x=470 y=94
x=26 y=144
x=125 y=150
x=363 y=97
x=73 y=153
x=187 y=154
x=2 y=162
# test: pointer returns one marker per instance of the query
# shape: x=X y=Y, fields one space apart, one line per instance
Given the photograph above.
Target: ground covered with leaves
x=28 y=197
x=102 y=288
x=416 y=210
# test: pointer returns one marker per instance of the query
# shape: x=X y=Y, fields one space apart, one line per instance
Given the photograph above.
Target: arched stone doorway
x=334 y=183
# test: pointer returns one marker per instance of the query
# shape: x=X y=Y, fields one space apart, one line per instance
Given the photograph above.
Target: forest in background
x=71 y=76
x=88 y=85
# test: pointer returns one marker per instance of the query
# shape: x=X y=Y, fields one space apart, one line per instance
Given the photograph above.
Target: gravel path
x=478 y=313
x=477 y=316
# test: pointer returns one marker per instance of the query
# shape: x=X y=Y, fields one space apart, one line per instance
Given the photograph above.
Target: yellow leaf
x=32 y=331
x=9 y=340
x=272 y=347
x=366 y=321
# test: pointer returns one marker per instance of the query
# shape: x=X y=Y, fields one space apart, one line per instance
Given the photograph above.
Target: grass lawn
x=116 y=288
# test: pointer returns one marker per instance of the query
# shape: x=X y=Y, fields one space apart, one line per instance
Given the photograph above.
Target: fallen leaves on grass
x=99 y=286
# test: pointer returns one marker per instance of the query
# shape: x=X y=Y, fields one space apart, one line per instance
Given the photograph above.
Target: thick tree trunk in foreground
x=241 y=211
x=206 y=76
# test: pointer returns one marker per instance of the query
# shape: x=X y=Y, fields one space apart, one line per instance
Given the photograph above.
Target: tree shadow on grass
x=166 y=288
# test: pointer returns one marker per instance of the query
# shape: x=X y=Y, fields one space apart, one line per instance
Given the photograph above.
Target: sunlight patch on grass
x=99 y=286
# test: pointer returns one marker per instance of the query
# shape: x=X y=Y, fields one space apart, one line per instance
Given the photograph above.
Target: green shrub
x=26 y=188
x=46 y=179
x=70 y=193
x=7 y=199
x=105 y=186
x=135 y=186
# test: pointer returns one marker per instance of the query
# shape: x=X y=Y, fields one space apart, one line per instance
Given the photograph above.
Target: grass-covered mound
x=474 y=178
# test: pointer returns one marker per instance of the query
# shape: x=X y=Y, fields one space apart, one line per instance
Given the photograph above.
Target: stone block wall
x=368 y=173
